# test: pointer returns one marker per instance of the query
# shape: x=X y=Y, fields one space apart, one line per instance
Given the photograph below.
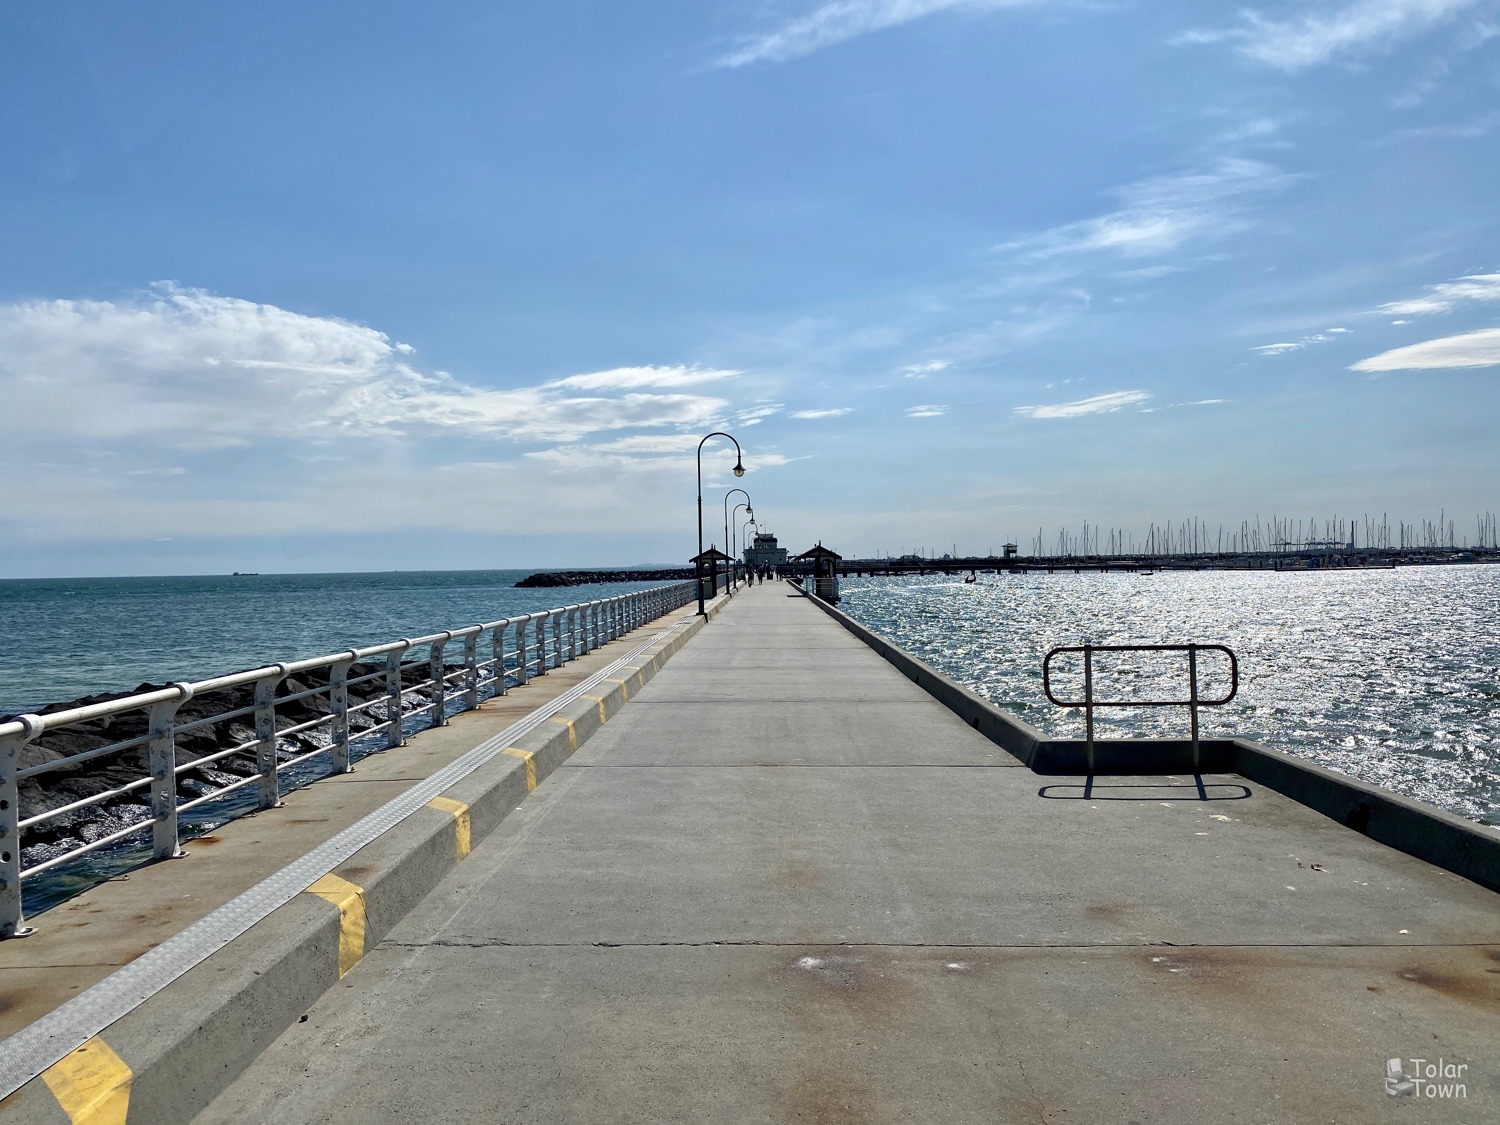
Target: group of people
x=754 y=574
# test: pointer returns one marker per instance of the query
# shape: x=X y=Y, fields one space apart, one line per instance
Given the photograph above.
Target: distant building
x=764 y=551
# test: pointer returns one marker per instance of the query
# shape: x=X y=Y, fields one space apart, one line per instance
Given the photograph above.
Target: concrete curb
x=172 y=1055
x=1418 y=829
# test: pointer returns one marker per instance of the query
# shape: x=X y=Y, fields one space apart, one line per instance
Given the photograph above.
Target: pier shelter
x=708 y=569
x=823 y=580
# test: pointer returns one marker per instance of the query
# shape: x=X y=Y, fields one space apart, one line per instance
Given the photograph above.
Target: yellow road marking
x=572 y=734
x=460 y=813
x=603 y=718
x=92 y=1084
x=350 y=900
x=624 y=687
x=527 y=757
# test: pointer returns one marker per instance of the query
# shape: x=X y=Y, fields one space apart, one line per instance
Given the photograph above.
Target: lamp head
x=749 y=511
x=739 y=468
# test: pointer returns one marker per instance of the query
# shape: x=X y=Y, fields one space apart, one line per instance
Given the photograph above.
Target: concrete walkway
x=784 y=885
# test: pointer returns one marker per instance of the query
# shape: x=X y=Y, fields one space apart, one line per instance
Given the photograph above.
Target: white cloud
x=922 y=370
x=1098 y=404
x=839 y=20
x=195 y=370
x=1469 y=349
x=1161 y=213
x=1299 y=344
x=755 y=415
x=622 y=378
x=1466 y=131
x=927 y=411
x=1356 y=28
x=808 y=415
x=1448 y=295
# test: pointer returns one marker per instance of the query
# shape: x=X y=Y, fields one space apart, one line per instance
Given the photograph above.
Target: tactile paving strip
x=36 y=1047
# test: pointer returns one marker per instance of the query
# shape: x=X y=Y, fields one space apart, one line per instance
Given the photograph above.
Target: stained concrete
x=726 y=910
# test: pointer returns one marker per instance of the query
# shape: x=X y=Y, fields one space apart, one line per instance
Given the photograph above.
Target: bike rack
x=1088 y=702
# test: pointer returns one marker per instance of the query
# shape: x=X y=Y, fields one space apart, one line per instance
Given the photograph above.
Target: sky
x=338 y=286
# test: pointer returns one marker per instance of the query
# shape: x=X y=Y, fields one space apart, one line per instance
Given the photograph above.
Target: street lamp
x=727 y=529
x=739 y=471
x=744 y=536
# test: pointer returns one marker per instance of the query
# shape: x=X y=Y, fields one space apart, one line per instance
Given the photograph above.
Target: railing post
x=541 y=641
x=12 y=921
x=439 y=685
x=523 y=671
x=557 y=637
x=1088 y=699
x=162 y=754
x=395 y=733
x=1193 y=698
x=338 y=707
x=497 y=645
x=471 y=667
x=269 y=794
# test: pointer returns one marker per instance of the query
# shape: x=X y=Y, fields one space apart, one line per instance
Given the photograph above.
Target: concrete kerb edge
x=1413 y=827
x=182 y=1052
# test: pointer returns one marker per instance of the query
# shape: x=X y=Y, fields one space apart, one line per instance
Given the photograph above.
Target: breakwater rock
x=544 y=578
x=67 y=784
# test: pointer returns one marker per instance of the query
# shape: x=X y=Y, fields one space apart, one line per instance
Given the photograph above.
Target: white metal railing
x=252 y=726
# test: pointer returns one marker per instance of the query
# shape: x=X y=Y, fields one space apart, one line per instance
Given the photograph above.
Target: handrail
x=370 y=692
x=1088 y=702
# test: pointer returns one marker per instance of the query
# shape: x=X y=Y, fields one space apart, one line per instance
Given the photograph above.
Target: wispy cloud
x=922 y=370
x=926 y=411
x=1159 y=214
x=1447 y=296
x=809 y=415
x=841 y=20
x=1098 y=404
x=1304 y=342
x=194 y=370
x=755 y=415
x=1357 y=28
x=1468 y=349
x=1464 y=131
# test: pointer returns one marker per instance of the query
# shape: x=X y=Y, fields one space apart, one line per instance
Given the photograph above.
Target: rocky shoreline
x=546 y=578
x=67 y=784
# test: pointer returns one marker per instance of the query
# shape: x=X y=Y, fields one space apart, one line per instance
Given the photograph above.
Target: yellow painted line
x=572 y=734
x=460 y=814
x=603 y=718
x=350 y=900
x=624 y=687
x=92 y=1084
x=527 y=757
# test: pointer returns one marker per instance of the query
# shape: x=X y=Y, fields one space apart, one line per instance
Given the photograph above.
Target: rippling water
x=67 y=637
x=1392 y=676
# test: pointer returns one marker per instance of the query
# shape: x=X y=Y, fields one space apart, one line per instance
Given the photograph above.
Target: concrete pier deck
x=785 y=885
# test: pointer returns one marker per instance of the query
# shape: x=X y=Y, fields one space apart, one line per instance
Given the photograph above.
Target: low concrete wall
x=1414 y=827
x=182 y=1047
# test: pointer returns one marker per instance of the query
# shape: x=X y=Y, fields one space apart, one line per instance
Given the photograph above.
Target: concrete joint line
x=287 y=981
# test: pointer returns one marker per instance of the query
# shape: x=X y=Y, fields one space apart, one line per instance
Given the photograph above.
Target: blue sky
x=368 y=286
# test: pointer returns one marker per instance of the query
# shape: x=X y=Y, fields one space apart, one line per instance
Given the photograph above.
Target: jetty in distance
x=1303 y=557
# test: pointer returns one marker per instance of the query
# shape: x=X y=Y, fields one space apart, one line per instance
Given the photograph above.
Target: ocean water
x=65 y=638
x=1391 y=676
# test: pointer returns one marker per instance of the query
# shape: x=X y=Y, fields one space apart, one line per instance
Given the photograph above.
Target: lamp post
x=739 y=471
x=728 y=529
x=744 y=529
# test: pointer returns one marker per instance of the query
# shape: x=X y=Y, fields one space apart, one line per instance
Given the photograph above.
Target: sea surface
x=64 y=638
x=1391 y=676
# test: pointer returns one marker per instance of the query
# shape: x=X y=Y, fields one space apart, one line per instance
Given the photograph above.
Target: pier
x=763 y=867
